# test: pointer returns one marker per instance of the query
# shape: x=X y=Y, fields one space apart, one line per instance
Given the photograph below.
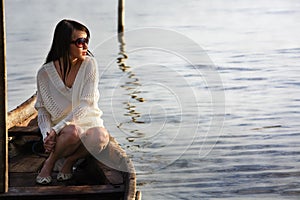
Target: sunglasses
x=80 y=42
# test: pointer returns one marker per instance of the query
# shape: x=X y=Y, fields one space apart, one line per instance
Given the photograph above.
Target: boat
x=92 y=178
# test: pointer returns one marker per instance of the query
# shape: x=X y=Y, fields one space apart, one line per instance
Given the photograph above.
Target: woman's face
x=79 y=45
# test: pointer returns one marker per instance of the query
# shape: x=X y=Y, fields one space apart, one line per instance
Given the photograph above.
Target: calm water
x=164 y=103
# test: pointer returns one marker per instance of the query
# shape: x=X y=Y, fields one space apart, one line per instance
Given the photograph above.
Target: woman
x=67 y=101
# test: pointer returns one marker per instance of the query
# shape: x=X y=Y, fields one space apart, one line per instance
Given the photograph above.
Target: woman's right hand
x=50 y=141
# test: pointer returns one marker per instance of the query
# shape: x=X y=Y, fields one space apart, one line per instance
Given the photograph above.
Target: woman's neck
x=73 y=61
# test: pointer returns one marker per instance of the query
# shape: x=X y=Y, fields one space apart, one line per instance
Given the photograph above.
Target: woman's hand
x=50 y=141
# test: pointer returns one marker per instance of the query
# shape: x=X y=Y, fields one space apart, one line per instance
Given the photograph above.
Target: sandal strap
x=43 y=180
x=64 y=177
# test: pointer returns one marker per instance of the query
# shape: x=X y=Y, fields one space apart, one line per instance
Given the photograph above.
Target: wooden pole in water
x=121 y=14
x=3 y=111
x=121 y=39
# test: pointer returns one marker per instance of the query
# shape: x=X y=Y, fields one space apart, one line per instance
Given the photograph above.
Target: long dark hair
x=60 y=47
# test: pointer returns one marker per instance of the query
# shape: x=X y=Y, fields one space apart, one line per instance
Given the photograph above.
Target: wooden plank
x=81 y=177
x=28 y=163
x=22 y=179
x=112 y=176
x=24 y=130
x=63 y=192
x=3 y=107
x=115 y=157
x=23 y=114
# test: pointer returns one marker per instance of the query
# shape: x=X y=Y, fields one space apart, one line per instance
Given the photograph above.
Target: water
x=153 y=105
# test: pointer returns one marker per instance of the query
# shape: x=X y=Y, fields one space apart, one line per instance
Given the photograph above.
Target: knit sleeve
x=89 y=96
x=44 y=118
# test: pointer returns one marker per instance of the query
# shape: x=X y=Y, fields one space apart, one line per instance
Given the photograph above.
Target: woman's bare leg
x=94 y=139
x=66 y=144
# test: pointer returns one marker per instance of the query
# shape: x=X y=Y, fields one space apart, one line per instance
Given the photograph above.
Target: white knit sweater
x=59 y=105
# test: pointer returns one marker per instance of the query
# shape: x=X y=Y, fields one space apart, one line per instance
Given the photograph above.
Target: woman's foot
x=66 y=171
x=44 y=176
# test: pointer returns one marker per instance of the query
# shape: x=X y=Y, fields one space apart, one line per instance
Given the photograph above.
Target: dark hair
x=60 y=47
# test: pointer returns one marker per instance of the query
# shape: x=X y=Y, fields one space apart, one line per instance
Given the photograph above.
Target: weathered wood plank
x=28 y=163
x=22 y=114
x=24 y=130
x=112 y=176
x=3 y=107
x=81 y=177
x=115 y=157
x=63 y=192
x=22 y=179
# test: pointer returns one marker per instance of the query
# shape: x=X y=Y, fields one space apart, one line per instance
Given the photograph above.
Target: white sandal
x=43 y=180
x=63 y=177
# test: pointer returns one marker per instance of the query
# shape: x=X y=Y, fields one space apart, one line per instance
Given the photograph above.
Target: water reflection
x=132 y=86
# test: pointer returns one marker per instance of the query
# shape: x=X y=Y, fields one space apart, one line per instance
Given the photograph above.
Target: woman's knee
x=97 y=137
x=71 y=133
x=103 y=135
x=98 y=134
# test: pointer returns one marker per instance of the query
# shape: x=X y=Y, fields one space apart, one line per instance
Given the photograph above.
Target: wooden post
x=121 y=14
x=3 y=111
